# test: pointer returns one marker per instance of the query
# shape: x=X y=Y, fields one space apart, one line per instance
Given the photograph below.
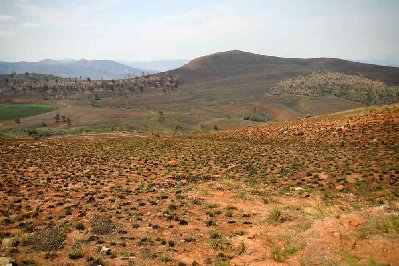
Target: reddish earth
x=319 y=191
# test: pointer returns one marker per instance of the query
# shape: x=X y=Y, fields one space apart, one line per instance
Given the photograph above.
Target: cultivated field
x=16 y=111
x=315 y=191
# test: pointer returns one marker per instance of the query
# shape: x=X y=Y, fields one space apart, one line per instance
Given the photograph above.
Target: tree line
x=52 y=87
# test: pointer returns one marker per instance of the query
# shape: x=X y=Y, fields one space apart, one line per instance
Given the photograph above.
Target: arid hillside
x=238 y=63
x=316 y=191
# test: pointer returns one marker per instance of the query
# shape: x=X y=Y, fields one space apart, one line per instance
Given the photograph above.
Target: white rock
x=105 y=250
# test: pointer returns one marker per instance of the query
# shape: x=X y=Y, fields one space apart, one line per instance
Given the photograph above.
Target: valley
x=238 y=90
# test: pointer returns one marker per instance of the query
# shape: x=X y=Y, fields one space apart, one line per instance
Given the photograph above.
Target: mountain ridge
x=156 y=65
x=94 y=69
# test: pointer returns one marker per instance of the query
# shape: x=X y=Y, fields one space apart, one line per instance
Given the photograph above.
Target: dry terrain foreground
x=317 y=191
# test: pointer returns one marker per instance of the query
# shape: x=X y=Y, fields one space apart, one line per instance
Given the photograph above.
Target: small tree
x=57 y=117
x=161 y=117
x=68 y=121
x=17 y=120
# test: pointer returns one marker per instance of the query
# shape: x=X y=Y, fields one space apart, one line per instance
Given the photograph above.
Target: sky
x=130 y=30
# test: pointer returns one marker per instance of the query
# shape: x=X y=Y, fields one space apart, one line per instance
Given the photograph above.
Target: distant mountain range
x=219 y=66
x=95 y=69
x=159 y=66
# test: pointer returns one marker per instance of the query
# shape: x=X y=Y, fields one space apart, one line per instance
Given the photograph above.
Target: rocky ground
x=317 y=191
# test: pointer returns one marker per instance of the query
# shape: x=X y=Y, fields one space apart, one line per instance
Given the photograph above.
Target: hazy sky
x=365 y=30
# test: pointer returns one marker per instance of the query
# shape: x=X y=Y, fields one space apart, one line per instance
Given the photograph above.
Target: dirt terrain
x=315 y=191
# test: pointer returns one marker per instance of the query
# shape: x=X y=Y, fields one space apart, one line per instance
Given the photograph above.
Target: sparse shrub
x=50 y=255
x=146 y=240
x=214 y=235
x=75 y=254
x=383 y=224
x=162 y=195
x=94 y=261
x=221 y=263
x=210 y=222
x=241 y=248
x=68 y=210
x=280 y=254
x=276 y=216
x=229 y=213
x=267 y=200
x=80 y=226
x=102 y=226
x=48 y=239
x=164 y=258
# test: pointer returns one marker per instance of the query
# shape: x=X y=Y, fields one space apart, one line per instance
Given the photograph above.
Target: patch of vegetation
x=284 y=247
x=276 y=216
x=280 y=254
x=217 y=242
x=75 y=254
x=80 y=226
x=385 y=224
x=16 y=111
x=241 y=248
x=102 y=226
x=146 y=240
x=48 y=239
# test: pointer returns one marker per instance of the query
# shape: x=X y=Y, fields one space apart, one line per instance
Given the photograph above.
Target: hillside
x=95 y=69
x=318 y=191
x=237 y=63
x=349 y=87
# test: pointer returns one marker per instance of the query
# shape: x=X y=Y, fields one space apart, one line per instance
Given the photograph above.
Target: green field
x=12 y=111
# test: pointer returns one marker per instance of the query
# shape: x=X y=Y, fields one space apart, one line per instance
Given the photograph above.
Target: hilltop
x=223 y=65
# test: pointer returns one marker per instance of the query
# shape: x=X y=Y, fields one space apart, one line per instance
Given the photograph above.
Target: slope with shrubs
x=318 y=191
x=350 y=87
